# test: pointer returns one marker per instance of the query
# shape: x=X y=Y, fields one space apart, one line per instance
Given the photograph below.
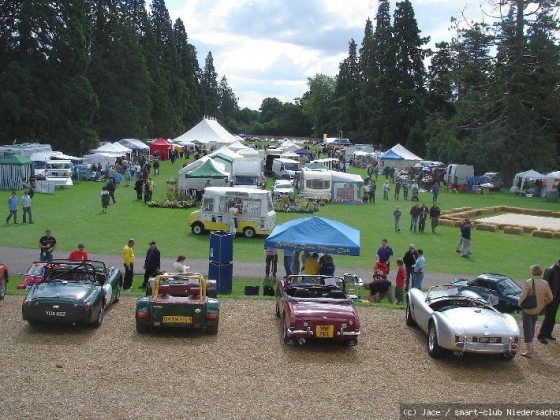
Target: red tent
x=162 y=146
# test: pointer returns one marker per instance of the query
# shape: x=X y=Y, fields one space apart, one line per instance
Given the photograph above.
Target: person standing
x=156 y=166
x=552 y=277
x=79 y=254
x=288 y=257
x=152 y=263
x=414 y=214
x=47 y=244
x=397 y=189
x=128 y=261
x=405 y=189
x=540 y=288
x=435 y=191
x=26 y=204
x=409 y=260
x=271 y=262
x=386 y=189
x=138 y=187
x=423 y=216
x=460 y=243
x=148 y=190
x=399 y=282
x=372 y=188
x=466 y=237
x=111 y=187
x=434 y=216
x=397 y=214
x=418 y=273
x=12 y=207
x=384 y=254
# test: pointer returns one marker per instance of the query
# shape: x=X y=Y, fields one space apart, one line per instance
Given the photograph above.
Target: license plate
x=324 y=331
x=55 y=313
x=490 y=340
x=177 y=320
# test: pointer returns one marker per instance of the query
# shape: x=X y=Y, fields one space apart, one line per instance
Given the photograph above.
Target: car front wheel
x=3 y=285
x=434 y=350
x=197 y=228
x=99 y=319
x=408 y=315
x=249 y=232
x=508 y=355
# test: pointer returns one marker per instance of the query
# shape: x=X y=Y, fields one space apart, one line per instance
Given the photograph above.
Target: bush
x=296 y=205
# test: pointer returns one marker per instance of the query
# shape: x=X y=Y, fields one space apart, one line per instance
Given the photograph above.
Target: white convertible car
x=459 y=320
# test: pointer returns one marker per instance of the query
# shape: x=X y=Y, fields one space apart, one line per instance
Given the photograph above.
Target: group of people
x=310 y=263
x=13 y=204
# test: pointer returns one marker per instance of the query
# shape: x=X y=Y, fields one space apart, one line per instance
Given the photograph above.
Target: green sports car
x=72 y=292
x=178 y=301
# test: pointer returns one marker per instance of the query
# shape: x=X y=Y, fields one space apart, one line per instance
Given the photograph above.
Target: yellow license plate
x=324 y=331
x=177 y=320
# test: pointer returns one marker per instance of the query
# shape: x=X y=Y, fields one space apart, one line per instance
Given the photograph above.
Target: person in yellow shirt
x=128 y=260
x=311 y=264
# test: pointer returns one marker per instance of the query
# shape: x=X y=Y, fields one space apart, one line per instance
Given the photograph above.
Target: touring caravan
x=315 y=184
x=457 y=174
x=254 y=211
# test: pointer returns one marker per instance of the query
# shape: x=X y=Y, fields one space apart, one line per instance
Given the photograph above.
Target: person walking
x=537 y=286
x=466 y=237
x=397 y=189
x=105 y=197
x=435 y=192
x=460 y=243
x=405 y=189
x=552 y=277
x=434 y=216
x=384 y=254
x=128 y=261
x=156 y=167
x=386 y=189
x=148 y=190
x=414 y=215
x=152 y=263
x=418 y=272
x=111 y=187
x=423 y=216
x=12 y=207
x=47 y=244
x=271 y=262
x=26 y=204
x=409 y=260
x=397 y=215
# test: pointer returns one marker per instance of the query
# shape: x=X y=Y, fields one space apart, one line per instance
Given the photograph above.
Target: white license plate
x=55 y=313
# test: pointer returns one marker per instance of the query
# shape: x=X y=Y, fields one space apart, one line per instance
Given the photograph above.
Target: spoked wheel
x=434 y=350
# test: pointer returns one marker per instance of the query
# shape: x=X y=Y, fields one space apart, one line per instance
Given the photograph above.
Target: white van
x=255 y=213
x=457 y=174
x=285 y=168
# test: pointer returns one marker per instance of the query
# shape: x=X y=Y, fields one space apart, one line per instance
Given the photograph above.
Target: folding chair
x=353 y=285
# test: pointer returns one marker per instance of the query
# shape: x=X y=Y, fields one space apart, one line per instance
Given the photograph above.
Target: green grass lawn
x=75 y=216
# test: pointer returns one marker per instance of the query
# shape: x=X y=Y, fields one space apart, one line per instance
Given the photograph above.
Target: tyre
x=408 y=315
x=212 y=330
x=434 y=350
x=117 y=295
x=277 y=310
x=3 y=285
x=197 y=228
x=99 y=319
x=508 y=356
x=287 y=340
x=351 y=343
x=142 y=328
x=249 y=232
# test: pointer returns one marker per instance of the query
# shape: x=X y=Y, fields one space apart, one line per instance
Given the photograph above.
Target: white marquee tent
x=399 y=157
x=205 y=132
x=115 y=149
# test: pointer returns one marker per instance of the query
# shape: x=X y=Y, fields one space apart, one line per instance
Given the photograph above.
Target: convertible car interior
x=179 y=290
x=315 y=292
x=445 y=304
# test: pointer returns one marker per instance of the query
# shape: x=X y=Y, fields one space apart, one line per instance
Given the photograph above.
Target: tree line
x=489 y=97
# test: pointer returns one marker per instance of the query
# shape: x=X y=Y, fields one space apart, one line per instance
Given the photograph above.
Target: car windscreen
x=36 y=270
x=509 y=288
x=291 y=166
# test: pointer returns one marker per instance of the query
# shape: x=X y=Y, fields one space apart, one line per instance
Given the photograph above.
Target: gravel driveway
x=245 y=371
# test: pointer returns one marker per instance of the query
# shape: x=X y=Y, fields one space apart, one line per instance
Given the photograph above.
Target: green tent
x=14 y=171
x=203 y=176
x=318 y=166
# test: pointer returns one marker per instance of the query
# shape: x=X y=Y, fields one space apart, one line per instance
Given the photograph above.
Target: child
x=104 y=199
x=399 y=282
x=397 y=214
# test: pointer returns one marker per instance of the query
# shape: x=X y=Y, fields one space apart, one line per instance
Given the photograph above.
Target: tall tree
x=209 y=87
x=316 y=104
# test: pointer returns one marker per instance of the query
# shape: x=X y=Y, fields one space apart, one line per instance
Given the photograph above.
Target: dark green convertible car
x=72 y=292
x=178 y=301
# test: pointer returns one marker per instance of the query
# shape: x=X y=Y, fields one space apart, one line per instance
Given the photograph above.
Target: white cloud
x=268 y=48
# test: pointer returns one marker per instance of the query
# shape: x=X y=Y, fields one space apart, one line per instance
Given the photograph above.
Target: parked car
x=494 y=179
x=3 y=280
x=34 y=275
x=282 y=188
x=457 y=319
x=178 y=301
x=72 y=292
x=316 y=307
x=486 y=284
x=83 y=171
x=211 y=285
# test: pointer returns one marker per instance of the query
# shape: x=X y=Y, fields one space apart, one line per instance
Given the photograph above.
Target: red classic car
x=35 y=274
x=316 y=307
x=3 y=280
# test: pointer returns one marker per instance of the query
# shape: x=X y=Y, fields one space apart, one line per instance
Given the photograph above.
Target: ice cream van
x=251 y=208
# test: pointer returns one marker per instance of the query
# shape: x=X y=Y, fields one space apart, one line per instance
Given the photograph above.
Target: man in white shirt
x=26 y=204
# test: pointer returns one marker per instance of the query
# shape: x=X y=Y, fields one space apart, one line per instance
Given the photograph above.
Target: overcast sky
x=268 y=48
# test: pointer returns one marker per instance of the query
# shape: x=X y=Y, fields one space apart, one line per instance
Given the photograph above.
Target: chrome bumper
x=466 y=346
x=308 y=332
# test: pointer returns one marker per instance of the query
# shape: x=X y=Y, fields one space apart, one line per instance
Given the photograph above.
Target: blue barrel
x=221 y=247
x=223 y=274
